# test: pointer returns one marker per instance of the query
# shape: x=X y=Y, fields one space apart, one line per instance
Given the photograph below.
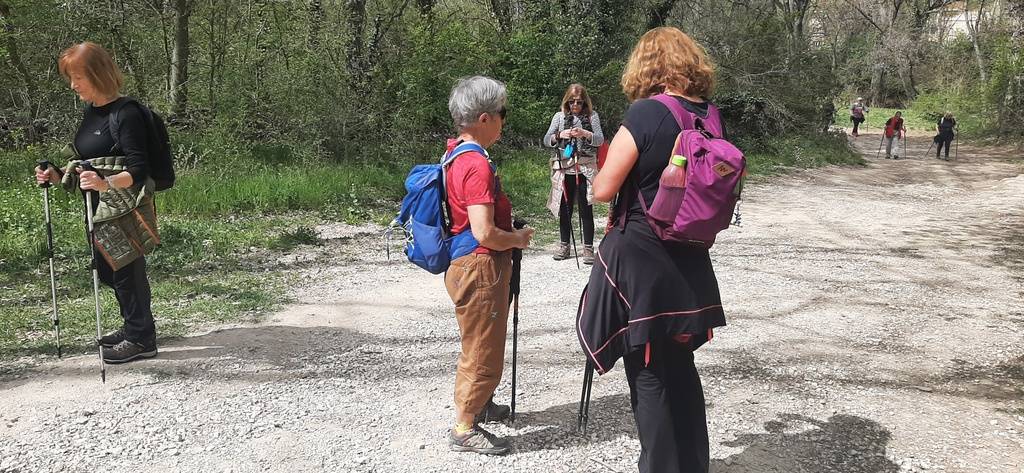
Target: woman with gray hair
x=478 y=283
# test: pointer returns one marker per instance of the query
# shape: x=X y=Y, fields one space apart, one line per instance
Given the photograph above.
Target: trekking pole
x=584 y=413
x=905 y=139
x=43 y=166
x=517 y=269
x=579 y=204
x=926 y=153
x=95 y=273
x=956 y=150
x=880 y=146
x=565 y=195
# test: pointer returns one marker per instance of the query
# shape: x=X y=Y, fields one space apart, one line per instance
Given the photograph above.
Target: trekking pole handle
x=86 y=165
x=43 y=166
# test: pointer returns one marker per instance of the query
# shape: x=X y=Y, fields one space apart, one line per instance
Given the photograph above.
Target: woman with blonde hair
x=575 y=127
x=124 y=162
x=653 y=302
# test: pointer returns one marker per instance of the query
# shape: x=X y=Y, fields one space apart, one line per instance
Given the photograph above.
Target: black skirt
x=643 y=289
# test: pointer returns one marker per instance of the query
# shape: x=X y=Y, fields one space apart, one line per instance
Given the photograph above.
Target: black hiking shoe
x=112 y=338
x=493 y=413
x=477 y=440
x=128 y=350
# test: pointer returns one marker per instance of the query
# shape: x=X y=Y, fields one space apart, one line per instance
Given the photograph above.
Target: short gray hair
x=473 y=96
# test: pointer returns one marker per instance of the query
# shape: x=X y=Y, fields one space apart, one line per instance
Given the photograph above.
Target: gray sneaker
x=127 y=351
x=477 y=440
x=112 y=338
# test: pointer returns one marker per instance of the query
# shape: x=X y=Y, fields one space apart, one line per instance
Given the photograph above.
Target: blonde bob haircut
x=666 y=57
x=577 y=90
x=95 y=63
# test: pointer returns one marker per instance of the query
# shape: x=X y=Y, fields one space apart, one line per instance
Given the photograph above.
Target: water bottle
x=672 y=187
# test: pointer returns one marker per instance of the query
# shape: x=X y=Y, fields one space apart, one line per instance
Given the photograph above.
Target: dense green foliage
x=305 y=111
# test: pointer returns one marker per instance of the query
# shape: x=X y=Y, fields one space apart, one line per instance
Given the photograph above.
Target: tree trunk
x=1013 y=100
x=972 y=30
x=659 y=12
x=875 y=99
x=425 y=7
x=179 y=58
x=502 y=10
x=315 y=18
x=354 y=50
x=11 y=44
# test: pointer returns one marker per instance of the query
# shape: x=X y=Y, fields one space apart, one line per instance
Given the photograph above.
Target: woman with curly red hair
x=653 y=302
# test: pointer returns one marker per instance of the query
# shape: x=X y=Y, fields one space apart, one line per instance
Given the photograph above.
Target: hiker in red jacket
x=894 y=132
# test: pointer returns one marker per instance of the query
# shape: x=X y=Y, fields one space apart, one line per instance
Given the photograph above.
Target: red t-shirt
x=471 y=181
x=892 y=126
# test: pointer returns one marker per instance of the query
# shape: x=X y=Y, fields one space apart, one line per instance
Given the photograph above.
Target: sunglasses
x=576 y=102
x=502 y=112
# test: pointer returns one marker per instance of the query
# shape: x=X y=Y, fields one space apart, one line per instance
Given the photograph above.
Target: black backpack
x=161 y=161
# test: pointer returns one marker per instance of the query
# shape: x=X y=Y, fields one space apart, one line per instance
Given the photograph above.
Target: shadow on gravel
x=554 y=428
x=270 y=353
x=795 y=442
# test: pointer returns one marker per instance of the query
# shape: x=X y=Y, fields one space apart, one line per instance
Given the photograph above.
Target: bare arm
x=481 y=223
x=622 y=155
x=92 y=181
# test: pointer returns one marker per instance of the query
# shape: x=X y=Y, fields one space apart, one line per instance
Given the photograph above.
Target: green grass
x=226 y=219
x=790 y=152
x=912 y=119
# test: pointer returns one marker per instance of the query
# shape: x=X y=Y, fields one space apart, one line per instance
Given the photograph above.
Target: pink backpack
x=714 y=178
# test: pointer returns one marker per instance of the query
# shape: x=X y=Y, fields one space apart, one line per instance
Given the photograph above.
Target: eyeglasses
x=576 y=102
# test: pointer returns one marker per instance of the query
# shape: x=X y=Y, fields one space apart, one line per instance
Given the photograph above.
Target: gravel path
x=876 y=325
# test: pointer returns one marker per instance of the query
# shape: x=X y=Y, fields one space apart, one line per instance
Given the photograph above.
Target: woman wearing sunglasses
x=575 y=133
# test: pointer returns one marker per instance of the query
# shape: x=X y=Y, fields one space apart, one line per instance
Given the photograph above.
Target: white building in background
x=952 y=19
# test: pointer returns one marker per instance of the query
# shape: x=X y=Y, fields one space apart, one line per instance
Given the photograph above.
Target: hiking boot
x=128 y=350
x=588 y=254
x=477 y=440
x=112 y=338
x=562 y=253
x=493 y=413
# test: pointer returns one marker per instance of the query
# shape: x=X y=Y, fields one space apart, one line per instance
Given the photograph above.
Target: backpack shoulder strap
x=446 y=160
x=114 y=119
x=684 y=119
x=461 y=149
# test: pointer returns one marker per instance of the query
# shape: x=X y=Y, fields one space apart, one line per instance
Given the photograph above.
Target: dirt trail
x=876 y=325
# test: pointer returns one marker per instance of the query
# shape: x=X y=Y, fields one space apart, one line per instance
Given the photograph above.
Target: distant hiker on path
x=577 y=125
x=93 y=75
x=478 y=283
x=653 y=302
x=894 y=132
x=946 y=128
x=857 y=112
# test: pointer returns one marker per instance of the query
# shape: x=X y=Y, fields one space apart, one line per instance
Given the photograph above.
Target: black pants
x=943 y=142
x=565 y=210
x=131 y=287
x=668 y=405
x=856 y=123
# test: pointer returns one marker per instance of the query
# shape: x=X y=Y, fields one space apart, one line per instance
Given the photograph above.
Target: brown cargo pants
x=479 y=285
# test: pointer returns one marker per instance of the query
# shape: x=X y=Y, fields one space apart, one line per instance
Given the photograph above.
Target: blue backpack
x=426 y=221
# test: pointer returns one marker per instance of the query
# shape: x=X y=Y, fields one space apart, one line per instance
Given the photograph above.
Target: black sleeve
x=639 y=122
x=133 y=139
